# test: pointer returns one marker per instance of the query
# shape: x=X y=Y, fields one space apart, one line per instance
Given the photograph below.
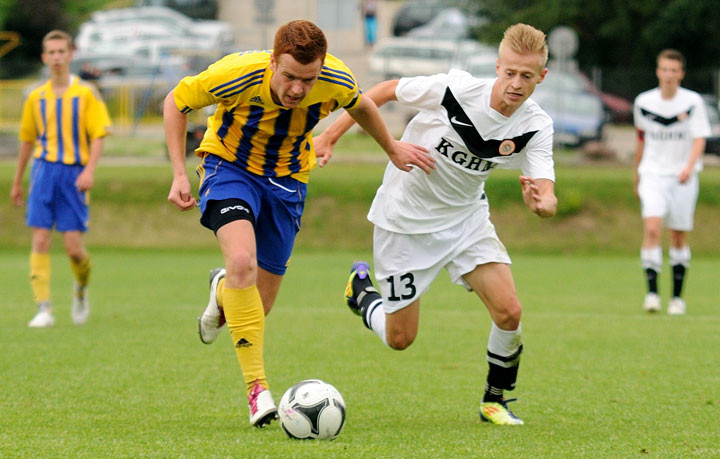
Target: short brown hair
x=525 y=39
x=57 y=35
x=301 y=39
x=673 y=54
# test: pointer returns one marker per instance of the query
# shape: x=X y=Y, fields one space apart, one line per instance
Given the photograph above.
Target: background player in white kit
x=672 y=124
x=424 y=222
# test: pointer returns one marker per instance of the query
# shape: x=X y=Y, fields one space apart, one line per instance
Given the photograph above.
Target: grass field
x=598 y=377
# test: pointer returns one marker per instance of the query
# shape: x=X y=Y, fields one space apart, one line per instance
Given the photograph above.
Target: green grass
x=598 y=377
x=598 y=212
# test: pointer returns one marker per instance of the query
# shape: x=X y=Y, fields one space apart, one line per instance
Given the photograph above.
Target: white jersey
x=468 y=139
x=670 y=126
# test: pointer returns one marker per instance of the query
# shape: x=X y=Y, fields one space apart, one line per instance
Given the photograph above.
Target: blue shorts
x=276 y=202
x=53 y=199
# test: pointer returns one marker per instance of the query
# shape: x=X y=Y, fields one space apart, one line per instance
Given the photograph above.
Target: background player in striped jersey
x=256 y=155
x=64 y=123
x=672 y=125
x=424 y=223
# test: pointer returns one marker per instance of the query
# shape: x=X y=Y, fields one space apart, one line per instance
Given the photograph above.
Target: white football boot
x=81 y=305
x=43 y=319
x=652 y=302
x=212 y=320
x=676 y=307
x=261 y=405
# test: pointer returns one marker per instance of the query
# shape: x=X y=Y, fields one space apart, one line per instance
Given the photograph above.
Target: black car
x=415 y=13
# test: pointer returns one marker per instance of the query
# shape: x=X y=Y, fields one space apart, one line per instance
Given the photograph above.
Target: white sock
x=375 y=317
x=651 y=258
x=679 y=256
x=504 y=342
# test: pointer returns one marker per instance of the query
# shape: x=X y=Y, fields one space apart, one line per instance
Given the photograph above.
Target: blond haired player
x=426 y=222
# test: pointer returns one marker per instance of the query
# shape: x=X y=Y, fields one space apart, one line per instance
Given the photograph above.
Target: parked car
x=447 y=24
x=403 y=56
x=196 y=9
x=152 y=22
x=482 y=65
x=578 y=117
x=415 y=13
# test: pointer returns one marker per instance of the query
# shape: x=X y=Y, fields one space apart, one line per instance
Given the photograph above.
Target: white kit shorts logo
x=227 y=209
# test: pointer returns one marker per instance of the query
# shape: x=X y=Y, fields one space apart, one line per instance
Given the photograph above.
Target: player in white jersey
x=426 y=222
x=672 y=124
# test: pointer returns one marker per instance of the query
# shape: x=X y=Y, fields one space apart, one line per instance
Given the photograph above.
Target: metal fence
x=129 y=104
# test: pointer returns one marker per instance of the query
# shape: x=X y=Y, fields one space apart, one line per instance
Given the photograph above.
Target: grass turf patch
x=598 y=376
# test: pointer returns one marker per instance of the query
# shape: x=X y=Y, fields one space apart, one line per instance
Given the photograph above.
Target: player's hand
x=84 y=181
x=323 y=149
x=531 y=195
x=16 y=195
x=684 y=175
x=180 y=194
x=405 y=155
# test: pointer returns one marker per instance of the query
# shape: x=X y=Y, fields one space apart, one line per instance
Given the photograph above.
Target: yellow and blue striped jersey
x=248 y=127
x=63 y=127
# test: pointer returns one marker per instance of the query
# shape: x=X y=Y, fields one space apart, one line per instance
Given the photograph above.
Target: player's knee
x=240 y=267
x=399 y=341
x=509 y=317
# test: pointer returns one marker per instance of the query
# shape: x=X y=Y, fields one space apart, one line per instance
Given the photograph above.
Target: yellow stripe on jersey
x=64 y=127
x=248 y=128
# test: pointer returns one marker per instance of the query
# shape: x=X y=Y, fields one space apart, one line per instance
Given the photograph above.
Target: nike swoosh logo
x=454 y=120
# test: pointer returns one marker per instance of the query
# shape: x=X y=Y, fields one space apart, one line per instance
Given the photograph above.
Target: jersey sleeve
x=204 y=89
x=699 y=122
x=98 y=119
x=538 y=160
x=638 y=119
x=422 y=92
x=347 y=93
x=28 y=128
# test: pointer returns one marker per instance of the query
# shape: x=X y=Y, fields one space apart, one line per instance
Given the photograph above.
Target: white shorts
x=663 y=196
x=406 y=264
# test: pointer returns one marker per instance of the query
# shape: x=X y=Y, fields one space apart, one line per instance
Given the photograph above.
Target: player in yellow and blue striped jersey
x=256 y=155
x=63 y=126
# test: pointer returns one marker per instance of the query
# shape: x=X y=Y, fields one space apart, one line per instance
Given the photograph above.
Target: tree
x=617 y=34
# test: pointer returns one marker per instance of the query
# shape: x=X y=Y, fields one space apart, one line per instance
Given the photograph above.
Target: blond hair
x=525 y=39
x=57 y=35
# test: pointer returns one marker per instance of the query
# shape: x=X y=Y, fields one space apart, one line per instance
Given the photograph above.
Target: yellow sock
x=81 y=271
x=246 y=322
x=218 y=295
x=40 y=276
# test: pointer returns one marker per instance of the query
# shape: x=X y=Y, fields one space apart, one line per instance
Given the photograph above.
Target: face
x=57 y=55
x=669 y=73
x=517 y=76
x=292 y=81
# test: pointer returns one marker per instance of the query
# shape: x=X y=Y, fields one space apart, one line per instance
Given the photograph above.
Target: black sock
x=651 y=275
x=492 y=394
x=678 y=279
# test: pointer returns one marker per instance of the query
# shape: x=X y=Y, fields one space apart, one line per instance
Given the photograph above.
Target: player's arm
x=403 y=155
x=539 y=196
x=175 y=135
x=87 y=177
x=698 y=148
x=16 y=191
x=639 y=148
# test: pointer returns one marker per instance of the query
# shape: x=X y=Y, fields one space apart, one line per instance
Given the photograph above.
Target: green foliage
x=598 y=377
x=621 y=34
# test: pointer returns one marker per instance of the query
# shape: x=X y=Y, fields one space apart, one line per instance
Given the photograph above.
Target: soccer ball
x=312 y=410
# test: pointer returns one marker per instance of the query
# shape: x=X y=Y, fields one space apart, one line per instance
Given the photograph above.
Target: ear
x=273 y=62
x=542 y=75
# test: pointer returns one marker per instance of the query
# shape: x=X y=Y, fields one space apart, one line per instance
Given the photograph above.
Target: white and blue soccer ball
x=312 y=410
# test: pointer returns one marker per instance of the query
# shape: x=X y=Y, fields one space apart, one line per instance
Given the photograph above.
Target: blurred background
x=602 y=53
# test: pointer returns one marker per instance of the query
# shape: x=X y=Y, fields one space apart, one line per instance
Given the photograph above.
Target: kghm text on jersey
x=464 y=159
